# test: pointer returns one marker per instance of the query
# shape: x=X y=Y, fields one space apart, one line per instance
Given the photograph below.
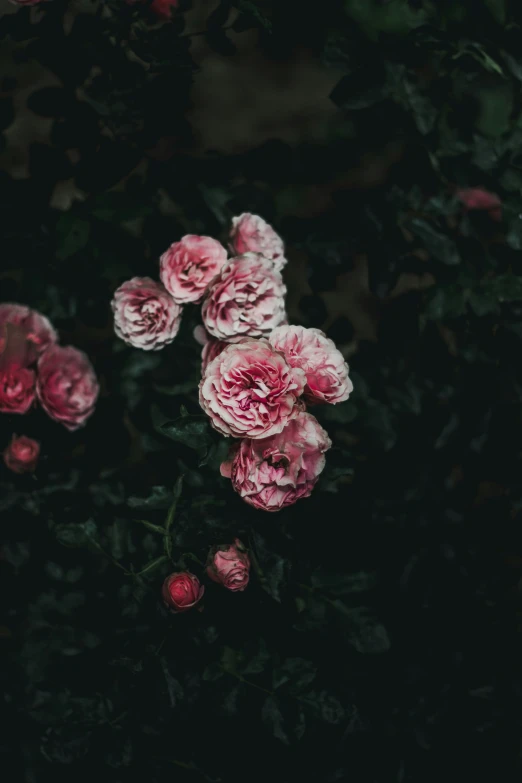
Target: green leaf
x=438 y=244
x=72 y=234
x=324 y=706
x=158 y=561
x=191 y=431
x=363 y=631
x=272 y=716
x=159 y=498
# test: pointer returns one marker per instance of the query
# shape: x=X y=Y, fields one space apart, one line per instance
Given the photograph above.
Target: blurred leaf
x=72 y=234
x=439 y=245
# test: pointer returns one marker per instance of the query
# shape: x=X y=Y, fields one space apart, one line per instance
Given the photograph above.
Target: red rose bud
x=229 y=566
x=22 y=454
x=480 y=199
x=181 y=591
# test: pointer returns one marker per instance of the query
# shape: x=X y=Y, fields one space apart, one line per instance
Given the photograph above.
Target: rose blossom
x=35 y=328
x=250 y=233
x=481 y=199
x=181 y=591
x=145 y=315
x=162 y=8
x=21 y=455
x=17 y=389
x=67 y=386
x=189 y=265
x=229 y=566
x=273 y=473
x=249 y=390
x=323 y=364
x=247 y=299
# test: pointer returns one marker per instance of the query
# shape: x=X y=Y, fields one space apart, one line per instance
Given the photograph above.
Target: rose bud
x=481 y=199
x=181 y=591
x=246 y=299
x=275 y=472
x=21 y=455
x=229 y=566
x=323 y=364
x=145 y=315
x=189 y=265
x=252 y=234
x=67 y=386
x=249 y=390
x=36 y=329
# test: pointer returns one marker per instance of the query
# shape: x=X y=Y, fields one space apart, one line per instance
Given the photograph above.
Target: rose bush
x=21 y=455
x=181 y=591
x=67 y=386
x=250 y=233
x=189 y=265
x=145 y=315
x=229 y=566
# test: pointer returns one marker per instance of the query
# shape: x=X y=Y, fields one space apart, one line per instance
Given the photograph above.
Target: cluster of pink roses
x=228 y=565
x=33 y=367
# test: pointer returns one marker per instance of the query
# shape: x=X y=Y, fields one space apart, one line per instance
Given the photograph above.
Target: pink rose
x=247 y=299
x=478 y=198
x=67 y=386
x=162 y=8
x=35 y=328
x=249 y=390
x=22 y=454
x=181 y=591
x=250 y=233
x=145 y=315
x=17 y=389
x=189 y=265
x=229 y=566
x=273 y=473
x=323 y=364
x=211 y=349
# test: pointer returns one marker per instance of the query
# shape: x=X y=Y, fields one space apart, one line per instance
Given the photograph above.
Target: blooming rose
x=274 y=472
x=67 y=386
x=247 y=299
x=145 y=315
x=250 y=233
x=189 y=265
x=17 y=389
x=323 y=364
x=33 y=326
x=182 y=591
x=249 y=390
x=21 y=455
x=229 y=566
x=478 y=198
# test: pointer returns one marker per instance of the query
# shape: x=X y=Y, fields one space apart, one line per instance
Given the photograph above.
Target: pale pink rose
x=247 y=299
x=21 y=455
x=323 y=364
x=67 y=386
x=181 y=591
x=145 y=315
x=250 y=233
x=35 y=328
x=249 y=390
x=229 y=566
x=189 y=265
x=481 y=199
x=273 y=473
x=17 y=389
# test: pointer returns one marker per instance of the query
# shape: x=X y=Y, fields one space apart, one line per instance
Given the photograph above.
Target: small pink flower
x=33 y=326
x=145 y=315
x=250 y=233
x=17 y=389
x=162 y=8
x=275 y=472
x=181 y=591
x=67 y=386
x=189 y=265
x=481 y=199
x=249 y=390
x=247 y=299
x=229 y=566
x=323 y=364
x=21 y=455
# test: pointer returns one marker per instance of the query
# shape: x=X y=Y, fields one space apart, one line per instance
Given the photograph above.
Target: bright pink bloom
x=189 y=265
x=67 y=386
x=249 y=390
x=250 y=233
x=181 y=591
x=247 y=299
x=145 y=315
x=481 y=199
x=275 y=472
x=21 y=455
x=229 y=566
x=323 y=364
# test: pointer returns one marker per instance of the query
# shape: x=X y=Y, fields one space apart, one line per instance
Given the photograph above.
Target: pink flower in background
x=33 y=326
x=67 y=386
x=275 y=472
x=21 y=455
x=162 y=8
x=250 y=233
x=323 y=364
x=181 y=591
x=480 y=199
x=229 y=566
x=211 y=349
x=249 y=390
x=247 y=299
x=145 y=315
x=17 y=389
x=189 y=265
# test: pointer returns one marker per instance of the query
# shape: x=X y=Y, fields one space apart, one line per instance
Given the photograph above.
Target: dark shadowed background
x=380 y=637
